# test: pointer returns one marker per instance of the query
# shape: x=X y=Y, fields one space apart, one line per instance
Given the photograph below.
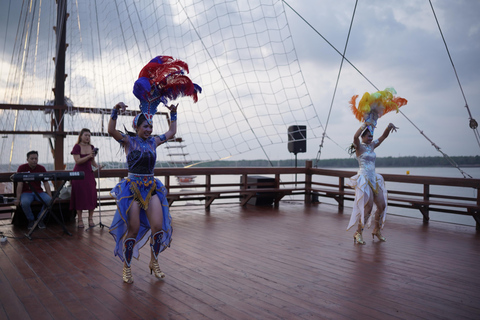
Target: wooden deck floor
x=294 y=262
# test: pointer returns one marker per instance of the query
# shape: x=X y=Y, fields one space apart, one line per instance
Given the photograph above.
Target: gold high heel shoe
x=127 y=274
x=379 y=235
x=155 y=268
x=357 y=238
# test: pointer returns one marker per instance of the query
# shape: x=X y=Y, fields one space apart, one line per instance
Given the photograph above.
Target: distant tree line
x=465 y=161
x=462 y=161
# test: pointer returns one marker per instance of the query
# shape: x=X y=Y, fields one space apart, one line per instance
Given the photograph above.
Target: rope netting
x=240 y=52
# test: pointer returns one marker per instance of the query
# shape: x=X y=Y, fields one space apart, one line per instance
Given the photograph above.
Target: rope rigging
x=233 y=123
x=473 y=124
x=336 y=86
x=100 y=54
x=452 y=162
x=229 y=89
x=6 y=32
x=260 y=89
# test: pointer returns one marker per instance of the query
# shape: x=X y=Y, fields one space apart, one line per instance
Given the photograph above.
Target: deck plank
x=291 y=262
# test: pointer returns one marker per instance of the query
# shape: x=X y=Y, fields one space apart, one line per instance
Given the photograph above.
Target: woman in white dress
x=370 y=191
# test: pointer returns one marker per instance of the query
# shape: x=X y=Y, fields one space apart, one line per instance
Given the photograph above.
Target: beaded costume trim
x=142 y=187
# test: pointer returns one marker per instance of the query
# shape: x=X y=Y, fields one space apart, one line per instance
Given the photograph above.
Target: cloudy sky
x=392 y=43
x=398 y=44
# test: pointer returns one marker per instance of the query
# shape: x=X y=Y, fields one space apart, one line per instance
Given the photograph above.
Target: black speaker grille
x=297 y=139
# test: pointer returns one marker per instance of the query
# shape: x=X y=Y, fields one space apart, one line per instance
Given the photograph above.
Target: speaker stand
x=295 y=167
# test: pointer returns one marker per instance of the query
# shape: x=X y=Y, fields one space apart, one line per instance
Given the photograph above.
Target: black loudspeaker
x=297 y=139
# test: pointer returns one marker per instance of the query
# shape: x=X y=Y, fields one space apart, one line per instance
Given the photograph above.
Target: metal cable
x=472 y=123
x=319 y=153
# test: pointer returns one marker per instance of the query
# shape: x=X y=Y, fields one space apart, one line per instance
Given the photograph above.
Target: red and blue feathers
x=163 y=80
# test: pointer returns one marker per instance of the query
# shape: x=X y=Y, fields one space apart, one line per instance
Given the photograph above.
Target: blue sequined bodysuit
x=141 y=155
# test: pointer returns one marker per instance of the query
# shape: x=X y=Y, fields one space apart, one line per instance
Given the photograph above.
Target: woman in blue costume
x=369 y=186
x=142 y=207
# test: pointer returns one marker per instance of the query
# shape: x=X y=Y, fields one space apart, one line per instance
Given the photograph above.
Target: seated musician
x=25 y=196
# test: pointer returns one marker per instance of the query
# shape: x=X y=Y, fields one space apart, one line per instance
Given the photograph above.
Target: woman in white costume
x=369 y=186
x=370 y=192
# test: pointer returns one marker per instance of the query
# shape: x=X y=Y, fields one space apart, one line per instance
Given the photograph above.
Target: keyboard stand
x=47 y=208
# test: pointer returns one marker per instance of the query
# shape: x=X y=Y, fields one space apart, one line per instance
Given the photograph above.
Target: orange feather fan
x=373 y=106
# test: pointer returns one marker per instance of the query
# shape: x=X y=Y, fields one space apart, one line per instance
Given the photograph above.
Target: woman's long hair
x=81 y=133
x=141 y=119
x=352 y=150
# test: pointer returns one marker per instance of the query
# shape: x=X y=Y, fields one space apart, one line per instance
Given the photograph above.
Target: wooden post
x=478 y=196
x=208 y=182
x=308 y=182
x=341 y=188
x=476 y=214
x=425 y=208
x=58 y=123
x=244 y=180
x=166 y=182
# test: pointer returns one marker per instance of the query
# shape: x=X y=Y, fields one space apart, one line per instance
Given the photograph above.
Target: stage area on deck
x=291 y=262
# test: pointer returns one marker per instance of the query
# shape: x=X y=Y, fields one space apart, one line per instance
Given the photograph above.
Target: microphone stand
x=98 y=196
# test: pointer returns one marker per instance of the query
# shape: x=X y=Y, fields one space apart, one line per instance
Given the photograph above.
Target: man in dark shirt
x=25 y=196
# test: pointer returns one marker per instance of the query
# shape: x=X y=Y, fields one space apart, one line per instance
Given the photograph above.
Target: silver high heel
x=357 y=238
x=155 y=268
x=379 y=235
x=127 y=274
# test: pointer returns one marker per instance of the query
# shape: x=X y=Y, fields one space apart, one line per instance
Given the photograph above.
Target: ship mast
x=59 y=90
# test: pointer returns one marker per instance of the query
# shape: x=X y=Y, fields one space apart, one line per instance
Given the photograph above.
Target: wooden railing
x=425 y=201
x=312 y=184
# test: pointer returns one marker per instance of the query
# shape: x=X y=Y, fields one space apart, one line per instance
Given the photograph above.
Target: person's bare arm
x=172 y=130
x=80 y=160
x=112 y=123
x=391 y=127
x=358 y=133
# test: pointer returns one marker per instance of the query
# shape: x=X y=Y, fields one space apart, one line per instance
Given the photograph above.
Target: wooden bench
x=427 y=205
x=277 y=194
x=8 y=208
x=338 y=195
x=106 y=200
x=209 y=196
x=60 y=206
x=10 y=211
x=414 y=202
x=244 y=194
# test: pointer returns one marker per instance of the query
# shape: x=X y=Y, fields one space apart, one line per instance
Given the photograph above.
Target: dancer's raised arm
x=172 y=129
x=112 y=123
x=391 y=127
x=358 y=133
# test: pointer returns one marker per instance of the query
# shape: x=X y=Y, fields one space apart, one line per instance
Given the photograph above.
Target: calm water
x=432 y=171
